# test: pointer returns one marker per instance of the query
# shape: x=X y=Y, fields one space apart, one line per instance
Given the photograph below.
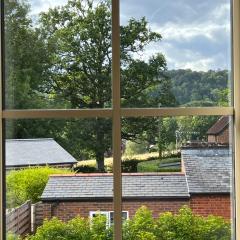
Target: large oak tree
x=78 y=40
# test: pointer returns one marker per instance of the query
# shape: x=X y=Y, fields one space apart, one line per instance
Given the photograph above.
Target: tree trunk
x=100 y=145
x=100 y=161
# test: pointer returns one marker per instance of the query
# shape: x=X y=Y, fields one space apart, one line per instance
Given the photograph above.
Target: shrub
x=28 y=184
x=188 y=226
x=141 y=226
x=130 y=166
x=85 y=169
x=182 y=226
x=75 y=229
x=133 y=148
x=11 y=236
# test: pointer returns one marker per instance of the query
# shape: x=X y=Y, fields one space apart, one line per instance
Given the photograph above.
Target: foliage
x=195 y=127
x=133 y=148
x=188 y=226
x=75 y=229
x=50 y=63
x=85 y=169
x=189 y=86
x=28 y=184
x=184 y=225
x=81 y=72
x=130 y=165
x=11 y=236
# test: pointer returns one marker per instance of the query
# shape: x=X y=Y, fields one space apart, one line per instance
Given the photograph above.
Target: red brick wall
x=218 y=205
x=69 y=210
x=223 y=137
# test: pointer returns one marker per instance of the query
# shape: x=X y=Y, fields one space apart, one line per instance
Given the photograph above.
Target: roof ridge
x=29 y=139
x=123 y=174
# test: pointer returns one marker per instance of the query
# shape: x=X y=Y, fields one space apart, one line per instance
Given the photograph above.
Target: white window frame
x=107 y=214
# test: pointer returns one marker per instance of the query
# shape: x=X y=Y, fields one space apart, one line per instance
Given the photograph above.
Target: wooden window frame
x=116 y=113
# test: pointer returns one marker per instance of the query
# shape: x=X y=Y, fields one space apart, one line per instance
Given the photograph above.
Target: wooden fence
x=37 y=216
x=18 y=221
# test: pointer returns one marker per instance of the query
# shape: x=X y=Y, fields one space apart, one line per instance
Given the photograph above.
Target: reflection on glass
x=58 y=54
x=177 y=172
x=175 y=53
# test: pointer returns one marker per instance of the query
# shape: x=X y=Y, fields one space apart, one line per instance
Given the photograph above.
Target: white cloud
x=38 y=6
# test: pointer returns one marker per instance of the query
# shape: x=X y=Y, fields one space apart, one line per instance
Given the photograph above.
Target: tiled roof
x=85 y=186
x=209 y=172
x=219 y=126
x=30 y=152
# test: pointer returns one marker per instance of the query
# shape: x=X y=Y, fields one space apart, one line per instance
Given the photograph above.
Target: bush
x=182 y=226
x=11 y=236
x=85 y=169
x=75 y=229
x=133 y=148
x=188 y=226
x=130 y=166
x=28 y=184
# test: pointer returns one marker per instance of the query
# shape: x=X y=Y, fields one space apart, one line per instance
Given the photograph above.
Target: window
x=70 y=88
x=109 y=216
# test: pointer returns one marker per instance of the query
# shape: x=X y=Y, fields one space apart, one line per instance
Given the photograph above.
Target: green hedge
x=182 y=226
x=28 y=184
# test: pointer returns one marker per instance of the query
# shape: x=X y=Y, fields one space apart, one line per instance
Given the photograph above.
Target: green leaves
x=75 y=229
x=28 y=184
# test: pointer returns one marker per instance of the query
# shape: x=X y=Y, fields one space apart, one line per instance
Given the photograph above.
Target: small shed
x=22 y=153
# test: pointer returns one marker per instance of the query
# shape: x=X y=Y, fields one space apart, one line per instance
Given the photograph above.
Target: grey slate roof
x=208 y=171
x=100 y=186
x=30 y=152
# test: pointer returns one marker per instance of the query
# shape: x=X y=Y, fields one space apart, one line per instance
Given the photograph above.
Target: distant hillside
x=191 y=87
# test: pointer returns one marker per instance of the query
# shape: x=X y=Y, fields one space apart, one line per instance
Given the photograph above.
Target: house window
x=123 y=93
x=109 y=216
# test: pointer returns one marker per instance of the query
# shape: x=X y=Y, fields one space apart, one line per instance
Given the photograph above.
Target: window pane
x=177 y=176
x=57 y=54
x=175 y=53
x=58 y=168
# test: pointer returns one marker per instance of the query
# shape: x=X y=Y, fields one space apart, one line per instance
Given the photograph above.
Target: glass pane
x=175 y=53
x=61 y=169
x=57 y=54
x=177 y=177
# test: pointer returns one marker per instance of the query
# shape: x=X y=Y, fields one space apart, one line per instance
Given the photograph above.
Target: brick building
x=204 y=184
x=219 y=132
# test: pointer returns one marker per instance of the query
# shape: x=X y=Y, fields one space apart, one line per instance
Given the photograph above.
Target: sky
x=195 y=33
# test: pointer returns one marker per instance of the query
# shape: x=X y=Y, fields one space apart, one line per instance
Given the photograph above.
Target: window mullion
x=117 y=181
x=236 y=74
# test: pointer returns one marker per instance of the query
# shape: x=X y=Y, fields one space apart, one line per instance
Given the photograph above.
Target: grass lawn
x=155 y=165
x=148 y=162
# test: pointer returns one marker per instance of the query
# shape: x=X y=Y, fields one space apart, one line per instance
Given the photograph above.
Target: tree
x=78 y=41
x=24 y=57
